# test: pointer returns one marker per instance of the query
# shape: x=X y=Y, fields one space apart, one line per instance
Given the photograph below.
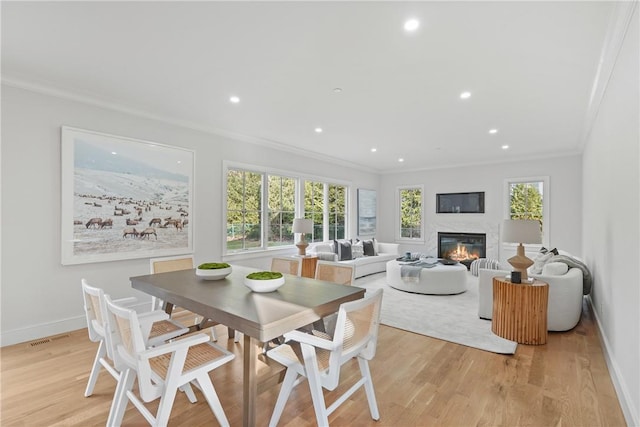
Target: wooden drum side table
x=309 y=266
x=520 y=311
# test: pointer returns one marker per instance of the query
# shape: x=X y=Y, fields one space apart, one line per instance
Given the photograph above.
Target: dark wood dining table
x=261 y=317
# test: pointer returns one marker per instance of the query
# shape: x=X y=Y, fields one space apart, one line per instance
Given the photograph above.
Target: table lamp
x=302 y=226
x=521 y=231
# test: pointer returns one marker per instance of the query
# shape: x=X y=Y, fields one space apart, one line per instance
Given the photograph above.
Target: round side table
x=520 y=311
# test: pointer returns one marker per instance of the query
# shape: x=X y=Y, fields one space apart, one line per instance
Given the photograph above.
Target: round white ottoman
x=440 y=280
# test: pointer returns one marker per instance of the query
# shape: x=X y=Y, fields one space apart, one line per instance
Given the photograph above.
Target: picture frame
x=367 y=208
x=460 y=203
x=123 y=198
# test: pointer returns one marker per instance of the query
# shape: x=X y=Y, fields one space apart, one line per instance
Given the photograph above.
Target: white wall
x=40 y=297
x=611 y=228
x=565 y=199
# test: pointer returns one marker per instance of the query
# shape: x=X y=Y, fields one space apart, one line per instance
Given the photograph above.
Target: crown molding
x=121 y=108
x=497 y=161
x=619 y=22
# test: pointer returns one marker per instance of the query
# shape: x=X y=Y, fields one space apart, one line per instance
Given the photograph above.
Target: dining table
x=260 y=316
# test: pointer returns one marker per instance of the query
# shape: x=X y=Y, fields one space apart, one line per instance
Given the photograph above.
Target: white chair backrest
x=335 y=272
x=356 y=332
x=127 y=341
x=94 y=311
x=166 y=264
x=289 y=265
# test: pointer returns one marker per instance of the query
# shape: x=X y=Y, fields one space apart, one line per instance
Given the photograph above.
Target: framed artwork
x=124 y=198
x=366 y=212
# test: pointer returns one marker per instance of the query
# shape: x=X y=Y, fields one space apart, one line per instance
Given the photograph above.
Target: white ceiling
x=530 y=67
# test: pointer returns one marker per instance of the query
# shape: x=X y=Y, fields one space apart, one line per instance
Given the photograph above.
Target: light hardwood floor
x=418 y=380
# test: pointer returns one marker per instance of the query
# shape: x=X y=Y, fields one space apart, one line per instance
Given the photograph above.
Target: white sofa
x=365 y=265
x=565 y=297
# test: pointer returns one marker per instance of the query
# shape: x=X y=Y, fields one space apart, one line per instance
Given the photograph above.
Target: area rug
x=451 y=318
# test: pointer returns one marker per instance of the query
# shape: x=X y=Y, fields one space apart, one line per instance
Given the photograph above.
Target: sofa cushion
x=324 y=247
x=326 y=256
x=555 y=269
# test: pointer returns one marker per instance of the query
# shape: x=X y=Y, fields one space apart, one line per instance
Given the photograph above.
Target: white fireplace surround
x=490 y=229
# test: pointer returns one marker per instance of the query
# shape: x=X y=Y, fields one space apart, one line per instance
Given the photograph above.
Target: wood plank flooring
x=419 y=381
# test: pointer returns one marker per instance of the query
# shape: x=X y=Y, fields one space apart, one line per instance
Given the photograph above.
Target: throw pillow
x=555 y=269
x=544 y=250
x=343 y=248
x=539 y=263
x=369 y=247
x=357 y=250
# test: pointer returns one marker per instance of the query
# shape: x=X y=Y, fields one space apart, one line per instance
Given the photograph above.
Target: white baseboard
x=629 y=410
x=42 y=330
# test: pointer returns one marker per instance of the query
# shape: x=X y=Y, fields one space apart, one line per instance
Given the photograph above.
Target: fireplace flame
x=461 y=254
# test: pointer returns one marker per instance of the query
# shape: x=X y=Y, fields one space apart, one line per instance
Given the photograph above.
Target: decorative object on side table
x=302 y=226
x=264 y=281
x=521 y=231
x=213 y=270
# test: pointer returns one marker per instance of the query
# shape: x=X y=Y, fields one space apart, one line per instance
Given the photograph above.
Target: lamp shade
x=301 y=225
x=521 y=231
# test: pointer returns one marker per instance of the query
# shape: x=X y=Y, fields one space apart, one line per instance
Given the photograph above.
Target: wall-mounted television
x=460 y=202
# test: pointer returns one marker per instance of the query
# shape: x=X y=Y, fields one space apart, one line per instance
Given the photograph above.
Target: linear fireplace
x=462 y=247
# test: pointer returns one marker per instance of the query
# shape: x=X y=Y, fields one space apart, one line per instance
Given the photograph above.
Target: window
x=314 y=208
x=261 y=206
x=282 y=210
x=337 y=211
x=527 y=198
x=410 y=216
x=244 y=210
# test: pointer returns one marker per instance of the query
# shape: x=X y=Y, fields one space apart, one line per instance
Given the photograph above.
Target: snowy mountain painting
x=124 y=198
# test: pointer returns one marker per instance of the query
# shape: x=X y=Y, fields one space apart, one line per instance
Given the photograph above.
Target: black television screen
x=460 y=202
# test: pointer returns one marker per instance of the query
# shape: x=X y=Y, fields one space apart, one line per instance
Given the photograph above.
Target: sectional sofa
x=363 y=265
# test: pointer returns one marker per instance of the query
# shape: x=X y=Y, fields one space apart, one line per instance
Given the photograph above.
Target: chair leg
x=120 y=399
x=285 y=390
x=166 y=404
x=95 y=369
x=206 y=386
x=368 y=388
x=315 y=385
x=189 y=392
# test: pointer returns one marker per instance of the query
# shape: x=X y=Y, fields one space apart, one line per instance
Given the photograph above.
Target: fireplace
x=462 y=247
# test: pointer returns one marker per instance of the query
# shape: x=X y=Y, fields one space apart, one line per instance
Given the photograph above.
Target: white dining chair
x=156 y=328
x=356 y=336
x=160 y=371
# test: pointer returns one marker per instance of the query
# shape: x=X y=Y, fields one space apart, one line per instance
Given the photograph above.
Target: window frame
x=398 y=214
x=300 y=180
x=545 y=207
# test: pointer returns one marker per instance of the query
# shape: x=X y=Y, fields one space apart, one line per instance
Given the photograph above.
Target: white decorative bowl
x=264 y=285
x=213 y=274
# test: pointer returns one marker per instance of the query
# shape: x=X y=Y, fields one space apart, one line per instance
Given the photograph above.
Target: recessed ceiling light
x=493 y=131
x=411 y=25
x=337 y=89
x=234 y=99
x=401 y=160
x=505 y=147
x=465 y=95
x=373 y=150
x=114 y=153
x=318 y=130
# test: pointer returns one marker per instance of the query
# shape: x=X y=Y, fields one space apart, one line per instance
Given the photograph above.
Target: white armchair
x=565 y=297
